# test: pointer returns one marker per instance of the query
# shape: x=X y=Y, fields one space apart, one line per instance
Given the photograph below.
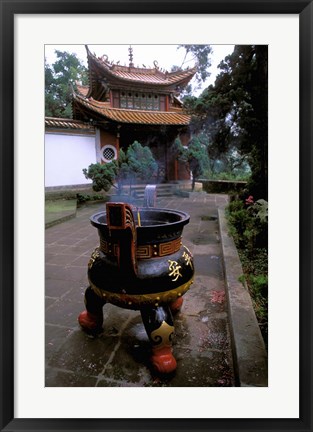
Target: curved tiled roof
x=82 y=89
x=148 y=76
x=65 y=123
x=133 y=116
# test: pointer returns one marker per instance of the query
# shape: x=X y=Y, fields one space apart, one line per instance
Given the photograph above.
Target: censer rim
x=185 y=217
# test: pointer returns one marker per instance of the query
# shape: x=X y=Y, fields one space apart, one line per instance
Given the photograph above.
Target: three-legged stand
x=91 y=319
x=158 y=322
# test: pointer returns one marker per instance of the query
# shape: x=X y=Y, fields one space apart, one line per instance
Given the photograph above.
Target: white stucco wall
x=66 y=156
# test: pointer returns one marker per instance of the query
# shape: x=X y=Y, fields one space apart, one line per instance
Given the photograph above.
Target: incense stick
x=138 y=217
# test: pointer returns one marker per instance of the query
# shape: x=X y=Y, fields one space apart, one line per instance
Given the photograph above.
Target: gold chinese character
x=174 y=270
x=187 y=259
x=95 y=254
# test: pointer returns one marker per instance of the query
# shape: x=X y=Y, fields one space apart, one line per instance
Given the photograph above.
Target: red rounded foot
x=90 y=322
x=176 y=305
x=163 y=360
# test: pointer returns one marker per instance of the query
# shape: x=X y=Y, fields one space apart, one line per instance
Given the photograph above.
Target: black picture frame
x=11 y=7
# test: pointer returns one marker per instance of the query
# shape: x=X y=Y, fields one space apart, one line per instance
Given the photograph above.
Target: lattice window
x=144 y=101
x=149 y=102
x=130 y=102
x=156 y=103
x=123 y=100
x=108 y=153
x=137 y=101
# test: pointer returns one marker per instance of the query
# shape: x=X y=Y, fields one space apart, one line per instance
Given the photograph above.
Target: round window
x=108 y=153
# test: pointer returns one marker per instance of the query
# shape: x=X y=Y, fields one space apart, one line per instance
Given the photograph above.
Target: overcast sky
x=165 y=55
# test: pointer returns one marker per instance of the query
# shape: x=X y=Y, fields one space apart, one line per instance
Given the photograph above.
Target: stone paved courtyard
x=120 y=355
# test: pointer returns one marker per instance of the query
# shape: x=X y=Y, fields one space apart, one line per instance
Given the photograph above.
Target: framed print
x=27 y=402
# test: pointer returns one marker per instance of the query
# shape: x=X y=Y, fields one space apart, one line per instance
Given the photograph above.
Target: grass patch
x=59 y=210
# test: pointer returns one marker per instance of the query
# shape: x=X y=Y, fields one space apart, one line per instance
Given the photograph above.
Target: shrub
x=102 y=175
x=137 y=163
x=248 y=224
x=83 y=198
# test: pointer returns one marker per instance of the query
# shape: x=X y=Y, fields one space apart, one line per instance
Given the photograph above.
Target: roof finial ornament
x=130 y=50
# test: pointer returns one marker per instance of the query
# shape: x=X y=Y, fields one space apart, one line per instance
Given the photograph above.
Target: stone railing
x=222 y=186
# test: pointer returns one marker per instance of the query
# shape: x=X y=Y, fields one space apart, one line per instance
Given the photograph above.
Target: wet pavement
x=120 y=355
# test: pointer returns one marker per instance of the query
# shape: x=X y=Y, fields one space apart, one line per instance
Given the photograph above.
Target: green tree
x=233 y=112
x=65 y=71
x=140 y=161
x=199 y=55
x=195 y=155
x=102 y=175
x=137 y=163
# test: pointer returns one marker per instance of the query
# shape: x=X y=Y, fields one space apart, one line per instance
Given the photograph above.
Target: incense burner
x=140 y=263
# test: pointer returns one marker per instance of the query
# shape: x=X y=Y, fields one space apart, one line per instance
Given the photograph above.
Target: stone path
x=120 y=355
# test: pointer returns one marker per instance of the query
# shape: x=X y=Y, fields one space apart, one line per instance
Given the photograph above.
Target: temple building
x=123 y=104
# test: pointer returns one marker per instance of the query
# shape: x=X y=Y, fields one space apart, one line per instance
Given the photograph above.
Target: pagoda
x=128 y=103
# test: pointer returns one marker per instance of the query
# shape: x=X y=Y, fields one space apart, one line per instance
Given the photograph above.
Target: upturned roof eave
x=119 y=115
x=182 y=76
x=67 y=123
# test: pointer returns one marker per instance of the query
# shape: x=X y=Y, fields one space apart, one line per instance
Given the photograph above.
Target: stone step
x=162 y=190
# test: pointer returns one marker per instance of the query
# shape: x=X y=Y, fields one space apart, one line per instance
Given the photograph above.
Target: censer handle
x=121 y=224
